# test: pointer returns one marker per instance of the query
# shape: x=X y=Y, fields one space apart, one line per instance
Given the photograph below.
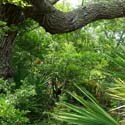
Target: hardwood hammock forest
x=61 y=65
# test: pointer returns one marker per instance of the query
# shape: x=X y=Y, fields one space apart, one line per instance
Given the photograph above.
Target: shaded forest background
x=47 y=67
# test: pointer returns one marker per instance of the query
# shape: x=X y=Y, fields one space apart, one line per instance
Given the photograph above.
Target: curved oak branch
x=53 y=1
x=55 y=21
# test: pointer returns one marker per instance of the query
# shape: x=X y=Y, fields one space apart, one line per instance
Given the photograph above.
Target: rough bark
x=10 y=14
x=6 y=46
x=55 y=21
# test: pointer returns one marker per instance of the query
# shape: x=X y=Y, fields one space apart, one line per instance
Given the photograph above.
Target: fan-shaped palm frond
x=87 y=113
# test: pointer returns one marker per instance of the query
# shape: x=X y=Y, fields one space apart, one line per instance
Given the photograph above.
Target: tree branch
x=55 y=21
x=53 y=1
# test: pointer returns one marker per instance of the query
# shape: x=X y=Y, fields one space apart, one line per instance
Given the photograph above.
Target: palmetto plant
x=87 y=113
x=118 y=91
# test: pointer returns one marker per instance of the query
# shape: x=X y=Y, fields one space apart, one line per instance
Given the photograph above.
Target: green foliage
x=9 y=113
x=47 y=66
x=89 y=57
x=21 y=3
x=88 y=113
x=117 y=91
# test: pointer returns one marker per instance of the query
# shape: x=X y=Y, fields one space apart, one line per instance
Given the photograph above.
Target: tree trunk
x=6 y=46
x=13 y=16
